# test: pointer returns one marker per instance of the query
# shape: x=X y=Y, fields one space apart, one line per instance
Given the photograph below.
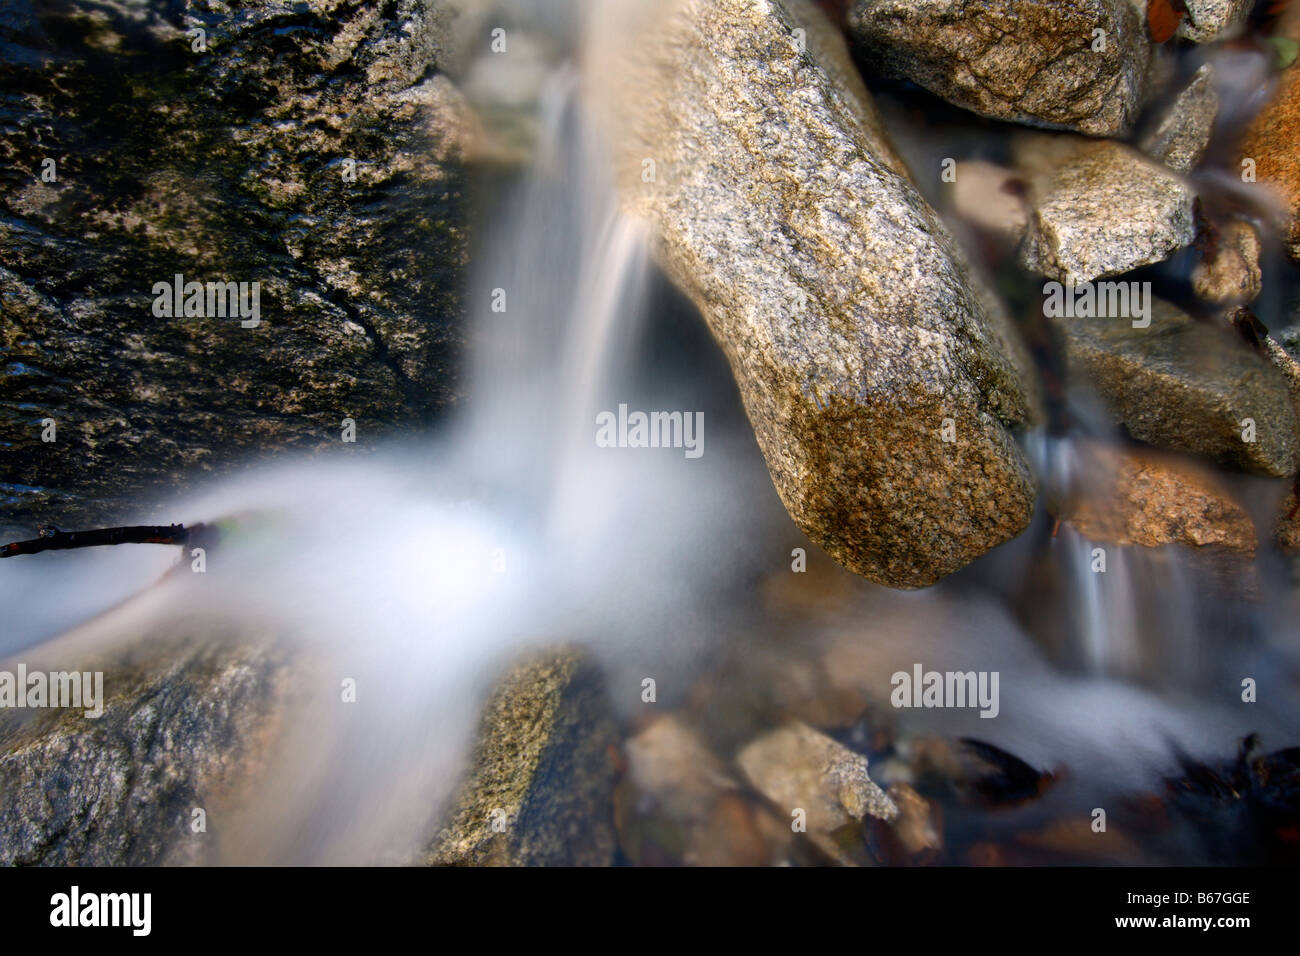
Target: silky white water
x=418 y=571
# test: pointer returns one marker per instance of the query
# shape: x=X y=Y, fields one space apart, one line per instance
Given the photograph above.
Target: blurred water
x=420 y=570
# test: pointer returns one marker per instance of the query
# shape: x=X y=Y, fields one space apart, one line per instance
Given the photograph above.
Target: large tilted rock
x=1188 y=385
x=1099 y=208
x=1033 y=61
x=852 y=324
x=234 y=163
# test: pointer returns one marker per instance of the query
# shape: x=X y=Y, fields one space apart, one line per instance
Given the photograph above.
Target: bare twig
x=52 y=539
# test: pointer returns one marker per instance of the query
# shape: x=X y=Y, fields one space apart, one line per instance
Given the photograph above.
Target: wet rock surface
x=1188 y=385
x=1133 y=497
x=1025 y=60
x=539 y=791
x=1270 y=141
x=1229 y=272
x=916 y=836
x=189 y=719
x=853 y=325
x=1099 y=209
x=881 y=376
x=817 y=782
x=797 y=767
x=679 y=803
x=309 y=147
x=194 y=717
x=1183 y=134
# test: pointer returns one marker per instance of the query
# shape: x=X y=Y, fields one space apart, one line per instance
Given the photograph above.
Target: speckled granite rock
x=852 y=323
x=1229 y=271
x=541 y=764
x=1208 y=20
x=190 y=717
x=228 y=164
x=1099 y=209
x=1130 y=497
x=796 y=766
x=1284 y=360
x=1188 y=385
x=1181 y=137
x=1032 y=61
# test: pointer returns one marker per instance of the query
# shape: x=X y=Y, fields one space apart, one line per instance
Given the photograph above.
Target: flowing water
x=420 y=570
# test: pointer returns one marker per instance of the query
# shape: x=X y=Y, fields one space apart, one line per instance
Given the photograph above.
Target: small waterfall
x=557 y=302
x=1163 y=616
x=419 y=571
x=1108 y=637
x=572 y=271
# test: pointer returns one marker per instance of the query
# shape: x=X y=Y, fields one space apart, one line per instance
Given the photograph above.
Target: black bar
x=1007 y=910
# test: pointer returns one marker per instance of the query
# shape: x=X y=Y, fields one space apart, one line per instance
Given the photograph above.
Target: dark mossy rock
x=198 y=715
x=540 y=789
x=1187 y=385
x=1030 y=61
x=190 y=717
x=313 y=147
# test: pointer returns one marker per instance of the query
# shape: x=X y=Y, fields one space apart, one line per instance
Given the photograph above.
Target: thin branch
x=52 y=539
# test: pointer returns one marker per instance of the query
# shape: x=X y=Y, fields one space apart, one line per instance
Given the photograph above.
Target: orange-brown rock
x=1288 y=524
x=1132 y=497
x=1229 y=272
x=1272 y=140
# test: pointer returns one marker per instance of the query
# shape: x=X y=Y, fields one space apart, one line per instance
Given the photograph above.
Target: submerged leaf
x=1285 y=50
x=1163 y=18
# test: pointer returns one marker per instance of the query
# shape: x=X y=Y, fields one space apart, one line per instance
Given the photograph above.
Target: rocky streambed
x=995 y=308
